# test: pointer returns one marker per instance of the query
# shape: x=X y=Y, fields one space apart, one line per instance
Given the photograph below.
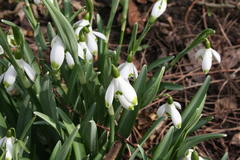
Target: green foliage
x=62 y=115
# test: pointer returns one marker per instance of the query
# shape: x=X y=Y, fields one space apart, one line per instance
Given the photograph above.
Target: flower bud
x=158 y=8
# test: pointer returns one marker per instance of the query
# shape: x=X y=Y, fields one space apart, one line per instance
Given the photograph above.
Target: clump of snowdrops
x=83 y=104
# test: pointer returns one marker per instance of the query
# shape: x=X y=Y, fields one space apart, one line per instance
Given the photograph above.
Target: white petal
x=2 y=141
x=56 y=40
x=161 y=110
x=9 y=148
x=9 y=77
x=80 y=51
x=100 y=35
x=37 y=2
x=216 y=56
x=70 y=60
x=158 y=8
x=127 y=90
x=207 y=61
x=177 y=105
x=175 y=115
x=134 y=71
x=28 y=69
x=121 y=66
x=125 y=71
x=110 y=94
x=1 y=50
x=87 y=53
x=92 y=43
x=200 y=53
x=81 y=23
x=125 y=103
x=57 y=55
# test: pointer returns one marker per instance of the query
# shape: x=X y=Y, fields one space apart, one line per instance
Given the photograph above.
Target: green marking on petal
x=179 y=126
x=55 y=66
x=119 y=93
x=135 y=101
x=6 y=84
x=206 y=71
x=131 y=108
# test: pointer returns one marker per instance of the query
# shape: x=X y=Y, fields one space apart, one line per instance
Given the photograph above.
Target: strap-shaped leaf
x=193 y=141
x=164 y=145
x=55 y=150
x=63 y=152
x=159 y=62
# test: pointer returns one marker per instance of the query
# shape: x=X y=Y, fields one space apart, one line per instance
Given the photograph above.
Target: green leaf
x=152 y=90
x=159 y=62
x=170 y=86
x=78 y=147
x=55 y=150
x=142 y=152
x=201 y=122
x=47 y=98
x=146 y=136
x=3 y=126
x=90 y=137
x=68 y=11
x=225 y=156
x=140 y=81
x=47 y=119
x=193 y=141
x=62 y=153
x=164 y=145
x=196 y=100
x=26 y=128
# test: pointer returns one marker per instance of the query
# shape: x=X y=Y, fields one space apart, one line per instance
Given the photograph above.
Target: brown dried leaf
x=236 y=139
x=134 y=16
x=225 y=106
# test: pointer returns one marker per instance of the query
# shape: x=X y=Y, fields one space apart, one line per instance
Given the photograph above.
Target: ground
x=174 y=30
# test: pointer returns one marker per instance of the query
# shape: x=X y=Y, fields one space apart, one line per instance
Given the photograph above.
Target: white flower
x=1 y=50
x=11 y=41
x=57 y=53
x=172 y=111
x=189 y=155
x=27 y=68
x=9 y=77
x=79 y=25
x=84 y=52
x=70 y=60
x=123 y=91
x=8 y=143
x=158 y=8
x=91 y=36
x=207 y=55
x=128 y=70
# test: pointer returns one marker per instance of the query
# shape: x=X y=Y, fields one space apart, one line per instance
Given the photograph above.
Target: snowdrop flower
x=37 y=2
x=84 y=52
x=128 y=70
x=123 y=91
x=189 y=155
x=1 y=50
x=27 y=69
x=57 y=53
x=70 y=60
x=207 y=55
x=170 y=108
x=158 y=8
x=91 y=36
x=9 y=77
x=8 y=142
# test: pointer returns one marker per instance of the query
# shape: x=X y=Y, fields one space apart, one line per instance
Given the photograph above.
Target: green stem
x=112 y=125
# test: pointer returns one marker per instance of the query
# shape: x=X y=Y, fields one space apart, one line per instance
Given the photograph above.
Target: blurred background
x=173 y=31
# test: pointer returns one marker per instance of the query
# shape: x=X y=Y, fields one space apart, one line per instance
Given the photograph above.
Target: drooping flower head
x=128 y=70
x=122 y=90
x=57 y=53
x=8 y=143
x=192 y=155
x=207 y=54
x=158 y=9
x=170 y=108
